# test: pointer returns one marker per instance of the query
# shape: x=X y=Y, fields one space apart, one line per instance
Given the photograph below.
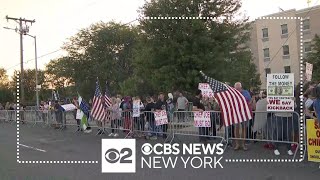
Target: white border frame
x=226 y=160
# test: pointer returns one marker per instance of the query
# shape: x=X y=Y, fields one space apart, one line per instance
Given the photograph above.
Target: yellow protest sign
x=313 y=140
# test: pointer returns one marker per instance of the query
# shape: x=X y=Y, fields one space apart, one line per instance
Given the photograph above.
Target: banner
x=161 y=117
x=136 y=109
x=68 y=107
x=313 y=140
x=205 y=89
x=202 y=119
x=280 y=92
x=309 y=68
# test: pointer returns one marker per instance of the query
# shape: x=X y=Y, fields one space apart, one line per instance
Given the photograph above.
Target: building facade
x=275 y=43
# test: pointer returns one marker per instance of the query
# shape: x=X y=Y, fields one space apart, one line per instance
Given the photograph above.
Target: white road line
x=32 y=148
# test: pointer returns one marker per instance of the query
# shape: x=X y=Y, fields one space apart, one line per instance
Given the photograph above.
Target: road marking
x=51 y=141
x=32 y=148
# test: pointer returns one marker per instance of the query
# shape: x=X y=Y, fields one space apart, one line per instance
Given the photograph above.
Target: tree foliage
x=30 y=85
x=172 y=52
x=160 y=54
x=104 y=51
x=314 y=58
x=6 y=92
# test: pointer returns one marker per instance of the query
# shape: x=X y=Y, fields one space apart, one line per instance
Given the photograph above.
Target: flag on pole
x=84 y=113
x=55 y=95
x=98 y=107
x=233 y=105
x=107 y=100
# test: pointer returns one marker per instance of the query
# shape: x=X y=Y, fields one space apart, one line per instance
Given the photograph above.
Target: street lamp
x=36 y=64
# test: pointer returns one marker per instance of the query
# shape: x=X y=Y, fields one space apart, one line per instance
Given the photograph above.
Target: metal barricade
x=146 y=125
x=11 y=116
x=274 y=128
x=118 y=122
x=3 y=115
x=203 y=125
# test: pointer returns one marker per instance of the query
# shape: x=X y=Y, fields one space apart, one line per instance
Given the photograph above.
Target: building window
x=284 y=29
x=266 y=53
x=306 y=24
x=265 y=33
x=285 y=50
x=307 y=46
x=287 y=69
x=268 y=71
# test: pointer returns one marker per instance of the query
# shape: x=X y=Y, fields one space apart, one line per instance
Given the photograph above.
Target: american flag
x=233 y=105
x=98 y=108
x=107 y=101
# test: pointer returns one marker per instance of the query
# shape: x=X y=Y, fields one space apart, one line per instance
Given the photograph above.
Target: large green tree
x=173 y=51
x=314 y=58
x=103 y=51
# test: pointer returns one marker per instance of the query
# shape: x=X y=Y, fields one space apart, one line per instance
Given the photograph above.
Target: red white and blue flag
x=98 y=107
x=233 y=105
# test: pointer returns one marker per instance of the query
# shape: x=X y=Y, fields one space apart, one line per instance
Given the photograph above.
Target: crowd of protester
x=278 y=127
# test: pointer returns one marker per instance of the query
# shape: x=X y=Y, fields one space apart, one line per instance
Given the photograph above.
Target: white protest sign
x=309 y=68
x=69 y=107
x=79 y=114
x=280 y=92
x=136 y=109
x=202 y=119
x=205 y=89
x=161 y=117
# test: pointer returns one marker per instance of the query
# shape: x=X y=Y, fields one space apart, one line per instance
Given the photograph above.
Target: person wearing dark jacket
x=198 y=106
x=150 y=120
x=161 y=104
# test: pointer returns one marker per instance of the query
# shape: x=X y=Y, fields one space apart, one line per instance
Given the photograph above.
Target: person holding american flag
x=233 y=107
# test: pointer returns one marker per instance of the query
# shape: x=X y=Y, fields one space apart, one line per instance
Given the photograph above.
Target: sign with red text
x=202 y=119
x=161 y=117
x=313 y=140
x=205 y=89
x=309 y=68
x=280 y=92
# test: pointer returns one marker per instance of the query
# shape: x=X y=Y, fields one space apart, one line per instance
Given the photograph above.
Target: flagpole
x=98 y=83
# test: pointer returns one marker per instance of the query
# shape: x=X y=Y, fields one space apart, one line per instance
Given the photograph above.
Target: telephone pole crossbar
x=22 y=31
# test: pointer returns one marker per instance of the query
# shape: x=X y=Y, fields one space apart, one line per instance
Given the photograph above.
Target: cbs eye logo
x=113 y=155
x=118 y=156
x=146 y=149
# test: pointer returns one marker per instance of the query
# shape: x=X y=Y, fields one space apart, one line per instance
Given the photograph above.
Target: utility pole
x=22 y=31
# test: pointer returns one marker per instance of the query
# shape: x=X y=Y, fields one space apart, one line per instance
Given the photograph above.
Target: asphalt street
x=44 y=143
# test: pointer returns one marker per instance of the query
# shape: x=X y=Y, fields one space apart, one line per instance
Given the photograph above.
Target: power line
x=34 y=59
x=290 y=36
x=58 y=49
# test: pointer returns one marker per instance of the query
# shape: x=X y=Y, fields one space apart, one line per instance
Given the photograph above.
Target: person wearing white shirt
x=182 y=104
